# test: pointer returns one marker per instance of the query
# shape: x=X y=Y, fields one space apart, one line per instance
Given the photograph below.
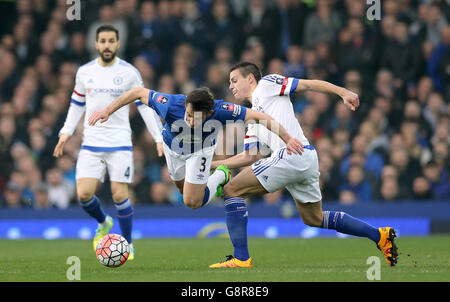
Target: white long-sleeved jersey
x=271 y=96
x=98 y=86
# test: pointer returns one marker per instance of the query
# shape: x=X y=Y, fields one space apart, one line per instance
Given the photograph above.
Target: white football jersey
x=98 y=86
x=271 y=96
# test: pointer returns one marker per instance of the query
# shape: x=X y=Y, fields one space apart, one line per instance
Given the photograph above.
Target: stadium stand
x=394 y=147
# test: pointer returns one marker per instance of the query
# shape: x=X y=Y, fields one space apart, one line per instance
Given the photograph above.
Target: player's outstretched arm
x=293 y=145
x=154 y=126
x=125 y=99
x=351 y=99
x=243 y=159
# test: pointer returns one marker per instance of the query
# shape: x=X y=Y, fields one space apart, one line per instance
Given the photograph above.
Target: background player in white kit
x=108 y=146
x=298 y=173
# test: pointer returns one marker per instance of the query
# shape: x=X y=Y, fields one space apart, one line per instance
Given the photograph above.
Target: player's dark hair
x=201 y=99
x=246 y=68
x=108 y=28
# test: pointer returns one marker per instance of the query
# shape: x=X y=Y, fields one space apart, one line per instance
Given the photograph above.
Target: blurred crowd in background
x=394 y=147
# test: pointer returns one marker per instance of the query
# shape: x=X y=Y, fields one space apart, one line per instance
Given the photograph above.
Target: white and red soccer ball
x=112 y=250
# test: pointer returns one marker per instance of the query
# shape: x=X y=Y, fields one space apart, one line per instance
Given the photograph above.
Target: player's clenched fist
x=99 y=115
x=351 y=100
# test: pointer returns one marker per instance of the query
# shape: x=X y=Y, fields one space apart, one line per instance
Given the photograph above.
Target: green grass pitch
x=187 y=260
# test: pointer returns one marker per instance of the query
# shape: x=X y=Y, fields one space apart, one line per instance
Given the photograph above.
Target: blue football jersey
x=177 y=134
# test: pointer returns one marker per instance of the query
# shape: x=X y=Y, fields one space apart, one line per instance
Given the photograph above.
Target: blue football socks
x=206 y=197
x=346 y=224
x=94 y=209
x=237 y=219
x=125 y=216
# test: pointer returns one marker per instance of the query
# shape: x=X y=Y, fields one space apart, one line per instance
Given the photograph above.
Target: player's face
x=107 y=45
x=239 y=85
x=195 y=118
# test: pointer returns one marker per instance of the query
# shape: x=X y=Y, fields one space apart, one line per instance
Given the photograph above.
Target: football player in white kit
x=298 y=173
x=108 y=146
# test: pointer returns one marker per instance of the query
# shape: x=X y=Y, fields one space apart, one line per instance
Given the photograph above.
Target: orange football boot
x=387 y=245
x=232 y=262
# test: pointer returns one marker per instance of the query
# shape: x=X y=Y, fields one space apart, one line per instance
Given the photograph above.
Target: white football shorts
x=299 y=174
x=194 y=168
x=119 y=164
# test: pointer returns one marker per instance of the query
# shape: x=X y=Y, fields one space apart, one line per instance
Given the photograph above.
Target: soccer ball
x=112 y=250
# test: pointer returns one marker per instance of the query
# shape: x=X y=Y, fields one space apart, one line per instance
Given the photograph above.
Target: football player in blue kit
x=192 y=124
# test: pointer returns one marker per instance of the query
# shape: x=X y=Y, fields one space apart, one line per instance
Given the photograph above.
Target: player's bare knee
x=119 y=197
x=192 y=203
x=84 y=195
